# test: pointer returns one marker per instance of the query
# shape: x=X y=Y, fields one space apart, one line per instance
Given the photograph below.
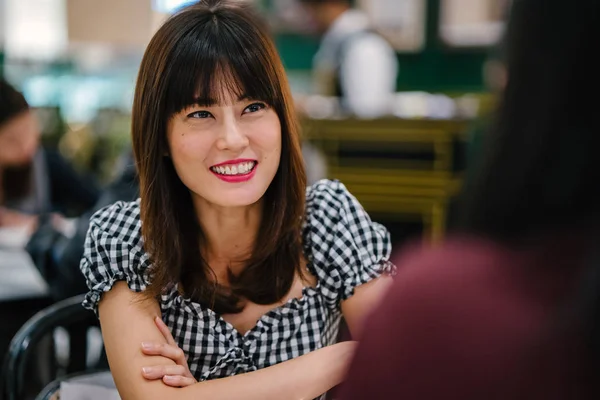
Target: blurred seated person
x=66 y=252
x=508 y=307
x=354 y=62
x=33 y=180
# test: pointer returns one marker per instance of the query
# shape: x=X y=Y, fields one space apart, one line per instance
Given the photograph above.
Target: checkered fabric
x=343 y=247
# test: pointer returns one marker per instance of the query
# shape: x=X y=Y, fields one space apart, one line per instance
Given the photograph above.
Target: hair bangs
x=216 y=63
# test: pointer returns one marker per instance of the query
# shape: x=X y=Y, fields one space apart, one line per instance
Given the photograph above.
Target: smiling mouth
x=243 y=168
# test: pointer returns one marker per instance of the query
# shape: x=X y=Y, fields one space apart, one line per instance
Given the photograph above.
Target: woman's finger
x=159 y=371
x=166 y=350
x=178 y=380
x=164 y=329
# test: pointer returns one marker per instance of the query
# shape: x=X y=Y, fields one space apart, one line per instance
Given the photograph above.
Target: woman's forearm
x=305 y=377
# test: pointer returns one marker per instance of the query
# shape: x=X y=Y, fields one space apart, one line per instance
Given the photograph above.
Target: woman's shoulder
x=331 y=208
x=114 y=251
x=329 y=198
x=455 y=255
x=325 y=189
x=344 y=247
x=469 y=264
x=120 y=220
x=461 y=280
x=454 y=247
x=462 y=270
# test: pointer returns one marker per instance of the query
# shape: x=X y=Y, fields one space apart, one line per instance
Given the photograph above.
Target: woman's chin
x=233 y=198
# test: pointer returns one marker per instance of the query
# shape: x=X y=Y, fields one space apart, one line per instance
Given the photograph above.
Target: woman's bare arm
x=127 y=322
x=364 y=301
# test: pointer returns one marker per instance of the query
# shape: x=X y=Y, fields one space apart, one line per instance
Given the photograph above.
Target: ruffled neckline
x=225 y=331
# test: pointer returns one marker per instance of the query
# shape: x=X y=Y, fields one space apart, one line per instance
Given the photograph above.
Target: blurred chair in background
x=15 y=381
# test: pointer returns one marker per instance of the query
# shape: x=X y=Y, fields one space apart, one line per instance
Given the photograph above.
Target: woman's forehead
x=222 y=87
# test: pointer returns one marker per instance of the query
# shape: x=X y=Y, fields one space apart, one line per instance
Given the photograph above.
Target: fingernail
x=147 y=370
x=147 y=346
x=168 y=377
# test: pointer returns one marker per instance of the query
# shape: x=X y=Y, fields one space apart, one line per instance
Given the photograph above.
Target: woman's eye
x=255 y=107
x=200 y=114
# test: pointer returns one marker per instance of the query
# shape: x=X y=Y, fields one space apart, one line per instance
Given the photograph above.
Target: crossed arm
x=127 y=322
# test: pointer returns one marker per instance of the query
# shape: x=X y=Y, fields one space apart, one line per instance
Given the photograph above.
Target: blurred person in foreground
x=33 y=181
x=354 y=62
x=508 y=307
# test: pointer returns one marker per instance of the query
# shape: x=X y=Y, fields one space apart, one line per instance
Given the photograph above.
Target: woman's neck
x=230 y=234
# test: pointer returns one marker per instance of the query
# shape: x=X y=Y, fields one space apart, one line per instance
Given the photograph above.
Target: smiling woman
x=245 y=129
x=250 y=270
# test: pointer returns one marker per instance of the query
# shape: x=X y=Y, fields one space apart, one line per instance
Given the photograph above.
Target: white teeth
x=239 y=169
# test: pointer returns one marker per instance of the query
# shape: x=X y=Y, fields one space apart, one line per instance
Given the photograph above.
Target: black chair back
x=68 y=314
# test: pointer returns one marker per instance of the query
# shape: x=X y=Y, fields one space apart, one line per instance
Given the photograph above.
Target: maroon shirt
x=471 y=319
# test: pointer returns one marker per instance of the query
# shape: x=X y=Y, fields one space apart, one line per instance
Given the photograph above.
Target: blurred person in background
x=34 y=181
x=63 y=255
x=508 y=307
x=37 y=188
x=354 y=62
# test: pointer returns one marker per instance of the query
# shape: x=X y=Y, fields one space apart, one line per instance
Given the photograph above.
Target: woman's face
x=227 y=154
x=19 y=140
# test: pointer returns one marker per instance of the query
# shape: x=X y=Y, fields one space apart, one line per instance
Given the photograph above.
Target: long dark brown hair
x=199 y=51
x=538 y=171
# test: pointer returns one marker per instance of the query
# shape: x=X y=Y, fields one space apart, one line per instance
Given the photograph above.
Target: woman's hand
x=173 y=375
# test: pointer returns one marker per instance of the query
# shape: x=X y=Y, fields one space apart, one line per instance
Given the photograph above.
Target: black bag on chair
x=41 y=248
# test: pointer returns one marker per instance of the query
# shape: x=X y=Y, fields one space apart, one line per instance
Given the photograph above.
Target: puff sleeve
x=114 y=252
x=346 y=249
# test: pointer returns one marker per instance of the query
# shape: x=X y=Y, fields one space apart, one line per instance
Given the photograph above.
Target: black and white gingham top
x=344 y=249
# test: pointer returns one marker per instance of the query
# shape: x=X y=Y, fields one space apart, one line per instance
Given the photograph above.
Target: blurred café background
x=76 y=62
